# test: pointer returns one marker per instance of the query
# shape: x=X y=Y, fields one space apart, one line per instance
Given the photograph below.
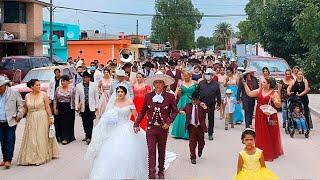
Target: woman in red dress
x=267 y=129
x=140 y=89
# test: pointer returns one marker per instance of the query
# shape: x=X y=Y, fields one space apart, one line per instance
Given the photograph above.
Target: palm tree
x=223 y=32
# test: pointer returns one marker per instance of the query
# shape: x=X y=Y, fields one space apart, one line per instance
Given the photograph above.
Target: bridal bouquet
x=111 y=117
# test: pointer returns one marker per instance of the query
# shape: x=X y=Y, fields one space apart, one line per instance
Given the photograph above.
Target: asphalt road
x=301 y=159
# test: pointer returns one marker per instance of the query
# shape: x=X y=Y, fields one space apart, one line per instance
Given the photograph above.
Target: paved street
x=301 y=159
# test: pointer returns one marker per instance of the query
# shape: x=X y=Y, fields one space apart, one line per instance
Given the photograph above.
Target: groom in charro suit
x=161 y=109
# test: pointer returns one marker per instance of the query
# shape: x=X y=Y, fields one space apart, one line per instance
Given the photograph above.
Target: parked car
x=176 y=54
x=45 y=75
x=10 y=64
x=159 y=54
x=277 y=66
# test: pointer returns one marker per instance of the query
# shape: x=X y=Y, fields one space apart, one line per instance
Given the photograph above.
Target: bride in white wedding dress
x=117 y=151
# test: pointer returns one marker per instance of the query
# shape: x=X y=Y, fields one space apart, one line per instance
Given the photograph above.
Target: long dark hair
x=31 y=83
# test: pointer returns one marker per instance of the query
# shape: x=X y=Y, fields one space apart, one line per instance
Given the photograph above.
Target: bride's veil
x=105 y=125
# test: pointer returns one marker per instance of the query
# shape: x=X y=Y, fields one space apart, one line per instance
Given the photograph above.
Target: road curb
x=314 y=111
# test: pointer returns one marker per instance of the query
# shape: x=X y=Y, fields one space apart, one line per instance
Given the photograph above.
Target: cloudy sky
x=117 y=23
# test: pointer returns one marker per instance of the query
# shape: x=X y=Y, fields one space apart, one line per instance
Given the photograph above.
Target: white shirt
x=193 y=116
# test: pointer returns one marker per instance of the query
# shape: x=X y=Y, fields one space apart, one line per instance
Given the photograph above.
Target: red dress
x=268 y=137
x=139 y=94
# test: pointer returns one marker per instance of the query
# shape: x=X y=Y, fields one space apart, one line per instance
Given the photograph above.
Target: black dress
x=298 y=88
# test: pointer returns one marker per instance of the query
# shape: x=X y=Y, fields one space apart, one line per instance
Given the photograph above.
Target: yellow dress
x=252 y=169
x=36 y=147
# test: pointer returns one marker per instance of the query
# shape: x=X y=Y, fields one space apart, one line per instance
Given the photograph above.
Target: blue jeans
x=284 y=112
x=301 y=123
x=7 y=139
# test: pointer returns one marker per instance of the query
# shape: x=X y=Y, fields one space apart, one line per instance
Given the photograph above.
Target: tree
x=175 y=21
x=247 y=33
x=307 y=24
x=274 y=26
x=204 y=42
x=223 y=32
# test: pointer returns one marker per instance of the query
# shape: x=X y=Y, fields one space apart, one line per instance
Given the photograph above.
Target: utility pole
x=51 y=32
x=137 y=30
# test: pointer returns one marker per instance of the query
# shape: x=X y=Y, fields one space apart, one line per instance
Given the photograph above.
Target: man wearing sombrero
x=161 y=109
x=247 y=102
x=11 y=112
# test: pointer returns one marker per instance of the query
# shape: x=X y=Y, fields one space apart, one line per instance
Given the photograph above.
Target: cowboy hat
x=3 y=80
x=172 y=63
x=121 y=72
x=228 y=91
x=249 y=70
x=148 y=64
x=160 y=77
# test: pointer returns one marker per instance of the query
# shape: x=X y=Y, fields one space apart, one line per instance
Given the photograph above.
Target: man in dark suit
x=196 y=125
x=161 y=109
x=248 y=102
x=209 y=90
x=174 y=73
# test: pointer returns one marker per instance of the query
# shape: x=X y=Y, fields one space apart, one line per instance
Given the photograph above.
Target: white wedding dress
x=117 y=151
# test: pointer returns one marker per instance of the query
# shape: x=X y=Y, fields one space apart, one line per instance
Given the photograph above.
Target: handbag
x=267 y=109
x=52 y=131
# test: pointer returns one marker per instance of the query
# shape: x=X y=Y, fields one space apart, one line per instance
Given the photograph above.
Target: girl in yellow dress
x=251 y=165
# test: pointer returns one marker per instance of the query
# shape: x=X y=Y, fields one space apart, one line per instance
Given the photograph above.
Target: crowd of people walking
x=197 y=89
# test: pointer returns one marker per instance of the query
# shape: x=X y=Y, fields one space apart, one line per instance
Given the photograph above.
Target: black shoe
x=302 y=132
x=199 y=153
x=85 y=139
x=210 y=138
x=193 y=161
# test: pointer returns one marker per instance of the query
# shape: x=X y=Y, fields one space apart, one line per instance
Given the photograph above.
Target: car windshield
x=159 y=54
x=43 y=75
x=278 y=65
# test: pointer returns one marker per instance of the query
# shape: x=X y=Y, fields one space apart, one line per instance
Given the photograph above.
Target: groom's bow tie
x=157 y=98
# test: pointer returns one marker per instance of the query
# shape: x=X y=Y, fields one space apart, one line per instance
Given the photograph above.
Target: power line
x=142 y=14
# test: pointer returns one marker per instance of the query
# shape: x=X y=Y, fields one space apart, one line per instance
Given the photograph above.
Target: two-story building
x=21 y=27
x=62 y=32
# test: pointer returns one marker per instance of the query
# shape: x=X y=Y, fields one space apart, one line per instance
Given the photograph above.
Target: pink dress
x=104 y=98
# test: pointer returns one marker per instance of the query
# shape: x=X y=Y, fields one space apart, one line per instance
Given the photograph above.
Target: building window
x=15 y=12
x=59 y=33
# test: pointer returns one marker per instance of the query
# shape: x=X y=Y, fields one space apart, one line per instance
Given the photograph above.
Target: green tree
x=247 y=33
x=175 y=21
x=307 y=24
x=223 y=32
x=274 y=26
x=204 y=42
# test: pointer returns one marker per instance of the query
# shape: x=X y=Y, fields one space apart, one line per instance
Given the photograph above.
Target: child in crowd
x=300 y=120
x=251 y=165
x=229 y=106
x=195 y=124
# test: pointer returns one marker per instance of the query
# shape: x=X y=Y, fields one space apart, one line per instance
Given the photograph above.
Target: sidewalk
x=314 y=104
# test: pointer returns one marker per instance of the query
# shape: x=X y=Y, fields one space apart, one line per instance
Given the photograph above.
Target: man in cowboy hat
x=174 y=73
x=11 y=112
x=121 y=79
x=161 y=109
x=86 y=103
x=248 y=102
x=147 y=69
x=209 y=90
